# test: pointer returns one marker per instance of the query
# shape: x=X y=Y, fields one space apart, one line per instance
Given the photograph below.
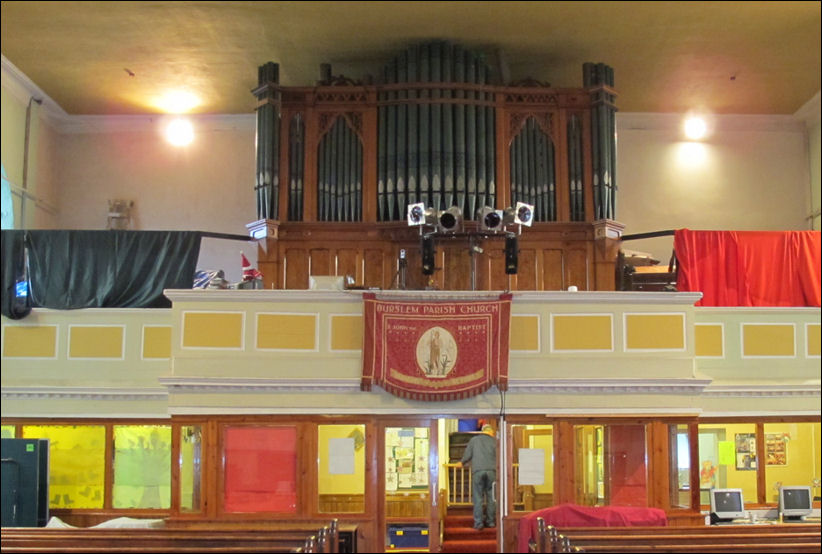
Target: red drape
x=572 y=515
x=750 y=268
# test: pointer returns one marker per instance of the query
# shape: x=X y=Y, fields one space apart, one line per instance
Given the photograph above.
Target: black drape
x=97 y=269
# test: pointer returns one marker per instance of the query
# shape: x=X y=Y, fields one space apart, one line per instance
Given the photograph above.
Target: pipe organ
x=338 y=164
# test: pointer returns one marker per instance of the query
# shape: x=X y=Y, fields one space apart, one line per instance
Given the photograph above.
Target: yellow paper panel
x=524 y=332
x=212 y=330
x=287 y=331
x=727 y=455
x=346 y=332
x=77 y=455
x=708 y=340
x=96 y=342
x=156 y=342
x=655 y=332
x=582 y=332
x=814 y=339
x=30 y=342
x=768 y=340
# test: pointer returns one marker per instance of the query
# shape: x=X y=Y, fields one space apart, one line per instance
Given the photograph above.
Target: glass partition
x=680 y=469
x=589 y=466
x=260 y=469
x=191 y=454
x=727 y=459
x=341 y=468
x=407 y=498
x=142 y=466
x=611 y=465
x=792 y=457
x=533 y=467
x=77 y=460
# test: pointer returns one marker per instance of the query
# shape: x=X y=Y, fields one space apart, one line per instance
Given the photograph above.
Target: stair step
x=459 y=534
x=460 y=520
x=470 y=531
x=470 y=546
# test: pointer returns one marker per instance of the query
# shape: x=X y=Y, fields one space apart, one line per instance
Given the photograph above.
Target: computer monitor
x=726 y=505
x=794 y=503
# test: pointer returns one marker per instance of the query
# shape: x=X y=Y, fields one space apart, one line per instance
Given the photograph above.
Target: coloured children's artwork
x=707 y=475
x=406 y=458
x=776 y=449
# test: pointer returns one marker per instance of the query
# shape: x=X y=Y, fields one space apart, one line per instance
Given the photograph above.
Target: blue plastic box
x=408 y=536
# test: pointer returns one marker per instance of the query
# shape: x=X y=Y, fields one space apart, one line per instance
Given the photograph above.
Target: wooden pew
x=159 y=540
x=728 y=538
x=549 y=540
x=340 y=537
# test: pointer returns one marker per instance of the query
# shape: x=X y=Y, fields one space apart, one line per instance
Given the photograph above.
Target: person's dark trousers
x=482 y=489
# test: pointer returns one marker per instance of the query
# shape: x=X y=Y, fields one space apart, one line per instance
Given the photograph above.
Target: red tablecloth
x=571 y=515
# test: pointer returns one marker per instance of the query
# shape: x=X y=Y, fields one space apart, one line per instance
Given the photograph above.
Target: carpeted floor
x=460 y=536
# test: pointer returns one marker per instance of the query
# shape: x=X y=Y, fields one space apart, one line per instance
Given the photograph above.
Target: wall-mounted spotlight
x=450 y=221
x=508 y=216
x=418 y=214
x=490 y=219
x=524 y=214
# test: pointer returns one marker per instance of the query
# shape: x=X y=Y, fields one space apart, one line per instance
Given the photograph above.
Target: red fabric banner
x=435 y=350
x=750 y=268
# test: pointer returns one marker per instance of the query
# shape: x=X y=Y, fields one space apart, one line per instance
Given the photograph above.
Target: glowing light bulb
x=695 y=128
x=179 y=132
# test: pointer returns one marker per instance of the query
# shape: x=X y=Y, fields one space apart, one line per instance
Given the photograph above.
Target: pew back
x=161 y=540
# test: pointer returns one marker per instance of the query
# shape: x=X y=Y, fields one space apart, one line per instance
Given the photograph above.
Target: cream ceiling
x=118 y=57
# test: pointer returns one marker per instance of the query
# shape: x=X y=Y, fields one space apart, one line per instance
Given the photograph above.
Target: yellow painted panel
x=582 y=332
x=30 y=341
x=346 y=332
x=708 y=340
x=156 y=342
x=814 y=339
x=768 y=340
x=96 y=342
x=524 y=332
x=212 y=330
x=287 y=331
x=655 y=331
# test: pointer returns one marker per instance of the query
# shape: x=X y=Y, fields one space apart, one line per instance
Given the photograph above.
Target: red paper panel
x=261 y=469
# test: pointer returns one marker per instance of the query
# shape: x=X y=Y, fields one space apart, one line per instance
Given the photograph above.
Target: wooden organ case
x=338 y=164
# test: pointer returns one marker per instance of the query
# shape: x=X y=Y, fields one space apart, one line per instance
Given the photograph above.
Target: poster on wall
x=745 y=451
x=776 y=449
x=406 y=458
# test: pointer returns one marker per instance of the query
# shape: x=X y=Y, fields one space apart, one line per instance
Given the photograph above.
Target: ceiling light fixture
x=695 y=127
x=179 y=132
